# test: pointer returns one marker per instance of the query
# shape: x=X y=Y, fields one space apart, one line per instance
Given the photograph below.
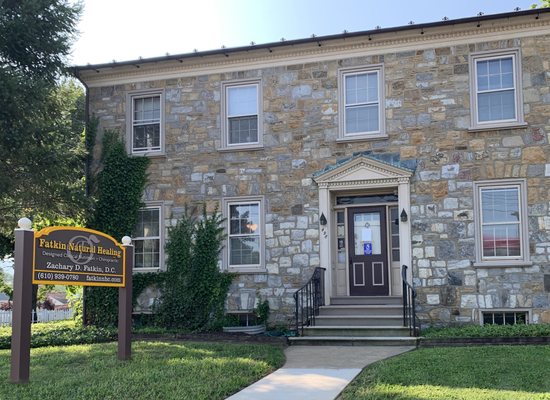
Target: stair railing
x=308 y=299
x=409 y=307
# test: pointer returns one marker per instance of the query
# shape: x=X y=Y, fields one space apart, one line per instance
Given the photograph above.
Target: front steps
x=358 y=321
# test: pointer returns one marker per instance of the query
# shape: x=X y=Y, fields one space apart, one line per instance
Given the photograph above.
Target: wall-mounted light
x=404 y=216
x=323 y=219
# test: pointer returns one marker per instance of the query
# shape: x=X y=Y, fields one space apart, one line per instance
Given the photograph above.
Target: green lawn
x=158 y=370
x=452 y=373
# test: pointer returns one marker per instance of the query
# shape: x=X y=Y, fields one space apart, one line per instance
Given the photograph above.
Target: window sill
x=243 y=271
x=241 y=148
x=150 y=154
x=482 y=128
x=145 y=270
x=502 y=264
x=360 y=138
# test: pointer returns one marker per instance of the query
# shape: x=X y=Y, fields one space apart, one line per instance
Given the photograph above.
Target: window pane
x=146 y=137
x=242 y=100
x=501 y=240
x=362 y=119
x=496 y=106
x=243 y=130
x=244 y=219
x=245 y=251
x=361 y=88
x=500 y=205
x=147 y=109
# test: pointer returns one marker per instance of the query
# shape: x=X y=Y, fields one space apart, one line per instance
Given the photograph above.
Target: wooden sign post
x=63 y=255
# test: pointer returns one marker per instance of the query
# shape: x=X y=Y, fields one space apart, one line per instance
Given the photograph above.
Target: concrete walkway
x=316 y=372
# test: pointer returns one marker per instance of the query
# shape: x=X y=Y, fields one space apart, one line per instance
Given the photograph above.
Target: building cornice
x=414 y=38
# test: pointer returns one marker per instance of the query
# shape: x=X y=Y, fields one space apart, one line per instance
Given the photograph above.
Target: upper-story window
x=361 y=99
x=501 y=222
x=496 y=90
x=146 y=130
x=241 y=103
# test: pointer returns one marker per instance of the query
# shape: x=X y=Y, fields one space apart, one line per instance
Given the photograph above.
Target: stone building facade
x=427 y=145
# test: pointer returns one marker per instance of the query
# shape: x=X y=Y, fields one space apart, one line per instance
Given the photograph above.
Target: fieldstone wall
x=427 y=119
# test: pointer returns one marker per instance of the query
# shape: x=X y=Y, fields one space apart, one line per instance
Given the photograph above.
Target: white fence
x=43 y=316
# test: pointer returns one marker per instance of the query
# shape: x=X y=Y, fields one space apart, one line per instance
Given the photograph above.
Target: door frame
x=357 y=174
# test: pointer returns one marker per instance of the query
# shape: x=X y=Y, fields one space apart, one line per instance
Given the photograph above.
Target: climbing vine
x=117 y=190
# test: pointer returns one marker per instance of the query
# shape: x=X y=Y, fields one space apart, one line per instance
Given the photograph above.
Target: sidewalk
x=316 y=372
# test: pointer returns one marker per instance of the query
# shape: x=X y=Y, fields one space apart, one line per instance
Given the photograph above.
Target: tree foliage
x=41 y=114
x=542 y=4
x=194 y=290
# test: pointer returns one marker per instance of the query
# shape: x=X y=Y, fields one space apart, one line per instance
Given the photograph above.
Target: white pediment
x=360 y=169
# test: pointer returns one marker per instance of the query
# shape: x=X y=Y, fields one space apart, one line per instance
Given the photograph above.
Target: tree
x=543 y=4
x=41 y=115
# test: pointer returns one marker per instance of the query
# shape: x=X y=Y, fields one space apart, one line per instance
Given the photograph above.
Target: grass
x=458 y=373
x=158 y=370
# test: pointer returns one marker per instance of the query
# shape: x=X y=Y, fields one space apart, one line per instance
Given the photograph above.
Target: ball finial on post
x=126 y=240
x=25 y=223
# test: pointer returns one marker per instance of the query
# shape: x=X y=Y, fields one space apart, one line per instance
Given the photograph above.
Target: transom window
x=146 y=123
x=361 y=99
x=496 y=97
x=242 y=126
x=501 y=222
x=245 y=233
x=147 y=238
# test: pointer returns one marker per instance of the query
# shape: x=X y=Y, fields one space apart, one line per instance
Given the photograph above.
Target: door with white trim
x=368 y=251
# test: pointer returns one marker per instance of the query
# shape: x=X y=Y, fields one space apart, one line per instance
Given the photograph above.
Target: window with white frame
x=244 y=233
x=501 y=222
x=361 y=99
x=146 y=123
x=496 y=89
x=148 y=238
x=242 y=114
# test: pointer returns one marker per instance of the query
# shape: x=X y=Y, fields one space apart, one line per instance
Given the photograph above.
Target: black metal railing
x=308 y=299
x=409 y=310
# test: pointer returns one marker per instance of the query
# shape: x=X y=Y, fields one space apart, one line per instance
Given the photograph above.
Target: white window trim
x=130 y=121
x=475 y=125
x=229 y=201
x=524 y=258
x=381 y=133
x=160 y=206
x=225 y=145
x=509 y=310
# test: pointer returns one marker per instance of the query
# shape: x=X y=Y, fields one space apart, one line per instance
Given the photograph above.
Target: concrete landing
x=317 y=372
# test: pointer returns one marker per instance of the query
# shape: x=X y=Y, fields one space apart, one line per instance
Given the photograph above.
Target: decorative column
x=405 y=238
x=324 y=239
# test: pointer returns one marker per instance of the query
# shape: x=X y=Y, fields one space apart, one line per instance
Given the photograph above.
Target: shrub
x=475 y=331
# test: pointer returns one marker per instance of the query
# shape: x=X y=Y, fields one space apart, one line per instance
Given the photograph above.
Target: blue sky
x=128 y=29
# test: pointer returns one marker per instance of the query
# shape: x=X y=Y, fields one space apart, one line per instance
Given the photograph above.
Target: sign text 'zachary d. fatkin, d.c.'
x=77 y=256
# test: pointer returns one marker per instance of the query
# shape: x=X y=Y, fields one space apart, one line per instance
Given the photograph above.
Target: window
x=506 y=317
x=242 y=117
x=146 y=130
x=501 y=222
x=496 y=90
x=361 y=97
x=148 y=239
x=244 y=233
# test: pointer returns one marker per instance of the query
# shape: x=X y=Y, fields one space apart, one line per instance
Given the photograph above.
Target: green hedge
x=61 y=333
x=477 y=331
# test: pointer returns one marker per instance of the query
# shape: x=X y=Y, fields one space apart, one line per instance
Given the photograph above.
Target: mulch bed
x=216 y=337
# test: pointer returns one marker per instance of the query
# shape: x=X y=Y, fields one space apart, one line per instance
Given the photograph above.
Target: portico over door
x=364 y=173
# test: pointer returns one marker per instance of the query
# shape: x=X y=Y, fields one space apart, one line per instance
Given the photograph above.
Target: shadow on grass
x=483 y=372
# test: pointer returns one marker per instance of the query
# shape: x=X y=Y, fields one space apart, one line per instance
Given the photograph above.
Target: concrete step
x=357 y=331
x=358 y=309
x=352 y=341
x=366 y=300
x=359 y=320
